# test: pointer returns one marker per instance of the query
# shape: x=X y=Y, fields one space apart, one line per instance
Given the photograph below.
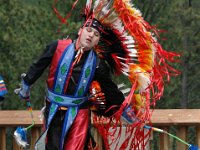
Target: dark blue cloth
x=193 y=147
x=3 y=89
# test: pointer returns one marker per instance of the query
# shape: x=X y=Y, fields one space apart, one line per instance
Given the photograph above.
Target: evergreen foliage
x=26 y=27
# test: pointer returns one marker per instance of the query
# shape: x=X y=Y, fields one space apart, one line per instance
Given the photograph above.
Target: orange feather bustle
x=152 y=66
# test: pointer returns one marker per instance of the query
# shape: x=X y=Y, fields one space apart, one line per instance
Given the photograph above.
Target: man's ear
x=79 y=31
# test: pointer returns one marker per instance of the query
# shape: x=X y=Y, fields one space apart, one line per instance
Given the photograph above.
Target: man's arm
x=114 y=97
x=35 y=71
x=38 y=67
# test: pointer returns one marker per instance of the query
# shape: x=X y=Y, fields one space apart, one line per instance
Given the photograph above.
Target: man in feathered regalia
x=113 y=39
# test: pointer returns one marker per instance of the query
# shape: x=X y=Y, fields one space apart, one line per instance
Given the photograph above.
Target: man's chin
x=87 y=48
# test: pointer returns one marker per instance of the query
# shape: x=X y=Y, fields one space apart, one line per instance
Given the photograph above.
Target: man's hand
x=97 y=101
x=24 y=90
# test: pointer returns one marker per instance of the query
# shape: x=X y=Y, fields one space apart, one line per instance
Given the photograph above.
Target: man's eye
x=96 y=34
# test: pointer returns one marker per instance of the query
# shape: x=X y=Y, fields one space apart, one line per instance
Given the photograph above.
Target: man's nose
x=91 y=34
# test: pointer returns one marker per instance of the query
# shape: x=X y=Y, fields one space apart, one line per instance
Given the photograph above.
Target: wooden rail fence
x=161 y=118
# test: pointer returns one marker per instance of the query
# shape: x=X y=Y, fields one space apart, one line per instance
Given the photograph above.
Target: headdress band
x=94 y=23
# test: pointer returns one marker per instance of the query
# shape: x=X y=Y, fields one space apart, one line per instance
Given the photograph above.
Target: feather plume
x=21 y=137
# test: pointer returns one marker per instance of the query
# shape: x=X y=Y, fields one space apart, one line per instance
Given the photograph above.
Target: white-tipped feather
x=136 y=11
x=134 y=59
x=125 y=65
x=129 y=42
x=144 y=82
x=125 y=70
x=143 y=79
x=97 y=2
x=120 y=85
x=121 y=58
x=125 y=73
x=133 y=55
x=129 y=38
x=132 y=50
x=105 y=10
x=89 y=3
x=130 y=46
x=125 y=91
x=118 y=25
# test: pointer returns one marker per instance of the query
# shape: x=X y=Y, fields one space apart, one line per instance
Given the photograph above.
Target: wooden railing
x=180 y=119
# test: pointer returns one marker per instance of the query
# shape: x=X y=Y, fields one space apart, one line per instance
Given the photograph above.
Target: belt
x=64 y=100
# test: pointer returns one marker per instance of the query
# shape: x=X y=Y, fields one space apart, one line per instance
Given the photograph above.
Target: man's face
x=88 y=37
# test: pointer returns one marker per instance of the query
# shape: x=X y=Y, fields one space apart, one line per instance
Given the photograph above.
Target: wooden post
x=2 y=138
x=164 y=140
x=182 y=134
x=35 y=133
x=198 y=136
x=150 y=141
x=15 y=145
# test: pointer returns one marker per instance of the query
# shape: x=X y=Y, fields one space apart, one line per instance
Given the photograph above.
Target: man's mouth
x=88 y=40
